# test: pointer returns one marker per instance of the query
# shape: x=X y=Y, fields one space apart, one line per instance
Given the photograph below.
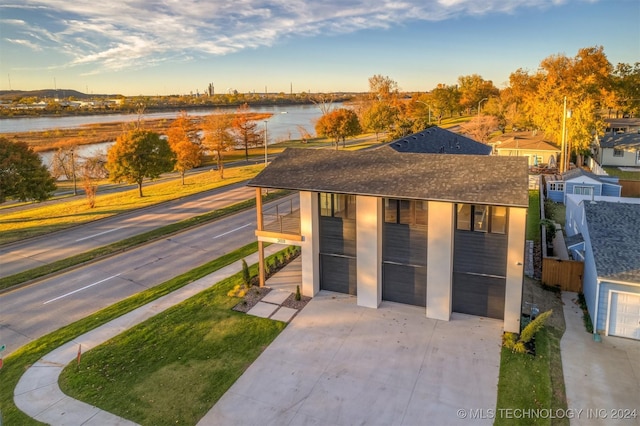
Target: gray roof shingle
x=615 y=239
x=480 y=179
x=435 y=140
x=621 y=140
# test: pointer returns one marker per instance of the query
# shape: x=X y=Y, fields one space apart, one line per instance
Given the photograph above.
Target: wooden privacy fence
x=566 y=274
x=630 y=188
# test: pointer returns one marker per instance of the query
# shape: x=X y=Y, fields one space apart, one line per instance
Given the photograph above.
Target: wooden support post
x=260 y=225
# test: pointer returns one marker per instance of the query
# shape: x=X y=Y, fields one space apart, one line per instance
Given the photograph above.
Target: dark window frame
x=489 y=217
x=403 y=215
x=349 y=202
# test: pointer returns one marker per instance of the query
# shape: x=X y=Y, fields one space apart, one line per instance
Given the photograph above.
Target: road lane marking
x=98 y=234
x=233 y=230
x=80 y=289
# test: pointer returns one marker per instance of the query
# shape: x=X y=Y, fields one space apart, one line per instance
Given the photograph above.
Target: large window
x=583 y=190
x=338 y=205
x=481 y=218
x=405 y=212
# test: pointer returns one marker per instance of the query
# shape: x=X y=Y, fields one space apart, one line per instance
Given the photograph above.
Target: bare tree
x=323 y=102
x=479 y=128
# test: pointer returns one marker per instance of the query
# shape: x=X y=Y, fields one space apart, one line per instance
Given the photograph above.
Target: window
x=480 y=218
x=583 y=190
x=338 y=205
x=405 y=212
x=556 y=186
x=638 y=156
x=618 y=152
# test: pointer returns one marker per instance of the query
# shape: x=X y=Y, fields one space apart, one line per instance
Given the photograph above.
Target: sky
x=163 y=47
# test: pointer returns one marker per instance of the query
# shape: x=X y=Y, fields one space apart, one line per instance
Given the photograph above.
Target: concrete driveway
x=602 y=379
x=340 y=364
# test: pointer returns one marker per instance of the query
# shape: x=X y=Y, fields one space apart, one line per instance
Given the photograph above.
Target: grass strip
x=47 y=218
x=174 y=367
x=128 y=243
x=16 y=363
x=529 y=382
x=533 y=216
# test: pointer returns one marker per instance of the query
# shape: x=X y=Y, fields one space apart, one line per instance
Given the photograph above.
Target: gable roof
x=436 y=140
x=621 y=140
x=479 y=179
x=614 y=236
x=518 y=142
x=579 y=172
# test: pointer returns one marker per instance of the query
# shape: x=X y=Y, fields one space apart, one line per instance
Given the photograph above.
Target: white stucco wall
x=309 y=229
x=440 y=260
x=515 y=269
x=369 y=250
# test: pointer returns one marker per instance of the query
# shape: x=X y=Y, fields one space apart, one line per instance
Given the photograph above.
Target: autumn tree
x=246 y=129
x=379 y=117
x=581 y=80
x=626 y=89
x=473 y=89
x=139 y=154
x=22 y=175
x=339 y=124
x=185 y=144
x=444 y=100
x=218 y=137
x=382 y=88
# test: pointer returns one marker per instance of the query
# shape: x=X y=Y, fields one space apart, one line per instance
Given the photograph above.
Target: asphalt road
x=33 y=311
x=24 y=255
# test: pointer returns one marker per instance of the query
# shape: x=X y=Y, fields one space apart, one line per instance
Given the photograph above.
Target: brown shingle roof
x=477 y=179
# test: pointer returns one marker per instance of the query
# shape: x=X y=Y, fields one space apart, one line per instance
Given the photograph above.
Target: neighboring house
x=608 y=240
x=445 y=232
x=622 y=125
x=436 y=140
x=618 y=149
x=527 y=144
x=581 y=182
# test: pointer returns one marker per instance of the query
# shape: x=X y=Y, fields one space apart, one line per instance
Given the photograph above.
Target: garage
x=404 y=252
x=480 y=260
x=624 y=315
x=338 y=243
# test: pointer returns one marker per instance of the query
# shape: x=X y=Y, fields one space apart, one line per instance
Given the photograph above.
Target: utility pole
x=479 y=103
x=563 y=159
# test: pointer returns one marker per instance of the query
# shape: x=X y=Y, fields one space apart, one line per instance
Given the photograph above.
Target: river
x=283 y=125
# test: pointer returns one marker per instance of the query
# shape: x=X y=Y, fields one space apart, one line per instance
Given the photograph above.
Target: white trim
x=606 y=329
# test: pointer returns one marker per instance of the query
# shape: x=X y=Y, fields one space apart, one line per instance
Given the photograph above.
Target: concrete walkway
x=338 y=363
x=38 y=394
x=601 y=378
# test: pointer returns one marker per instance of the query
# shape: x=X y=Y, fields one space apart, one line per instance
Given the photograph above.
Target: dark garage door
x=404 y=284
x=338 y=273
x=479 y=270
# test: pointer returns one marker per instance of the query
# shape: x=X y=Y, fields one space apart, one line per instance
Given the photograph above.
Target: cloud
x=26 y=43
x=121 y=34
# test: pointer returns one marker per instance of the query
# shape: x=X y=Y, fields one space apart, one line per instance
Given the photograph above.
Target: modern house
x=581 y=182
x=445 y=232
x=606 y=236
x=527 y=144
x=618 y=149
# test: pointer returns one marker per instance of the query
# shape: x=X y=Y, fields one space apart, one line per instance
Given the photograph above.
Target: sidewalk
x=38 y=394
x=601 y=378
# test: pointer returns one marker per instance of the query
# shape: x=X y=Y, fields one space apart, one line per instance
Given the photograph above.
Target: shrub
x=246 y=275
x=298 y=295
x=519 y=345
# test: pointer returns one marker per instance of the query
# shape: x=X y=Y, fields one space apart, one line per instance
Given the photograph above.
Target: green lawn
x=17 y=362
x=533 y=216
x=172 y=368
x=527 y=382
x=39 y=220
x=624 y=175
